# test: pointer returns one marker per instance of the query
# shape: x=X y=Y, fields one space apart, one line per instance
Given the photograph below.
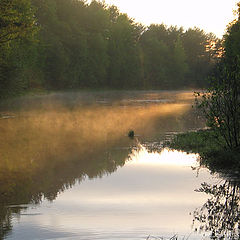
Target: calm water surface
x=69 y=171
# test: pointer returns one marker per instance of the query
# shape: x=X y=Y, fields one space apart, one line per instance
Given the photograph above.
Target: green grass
x=211 y=148
x=197 y=142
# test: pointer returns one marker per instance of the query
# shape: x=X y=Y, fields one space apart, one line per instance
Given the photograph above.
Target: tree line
x=221 y=102
x=72 y=44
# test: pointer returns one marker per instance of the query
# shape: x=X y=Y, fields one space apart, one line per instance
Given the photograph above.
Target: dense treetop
x=65 y=44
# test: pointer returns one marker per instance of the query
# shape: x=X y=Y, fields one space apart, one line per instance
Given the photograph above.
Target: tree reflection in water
x=18 y=189
x=220 y=215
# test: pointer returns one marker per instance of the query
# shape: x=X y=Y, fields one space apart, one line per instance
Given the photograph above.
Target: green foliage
x=174 y=58
x=231 y=39
x=197 y=142
x=155 y=56
x=17 y=47
x=16 y=20
x=65 y=44
x=180 y=66
x=211 y=148
x=124 y=67
x=220 y=103
x=199 y=55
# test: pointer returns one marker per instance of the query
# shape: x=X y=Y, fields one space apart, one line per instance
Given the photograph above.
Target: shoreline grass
x=211 y=148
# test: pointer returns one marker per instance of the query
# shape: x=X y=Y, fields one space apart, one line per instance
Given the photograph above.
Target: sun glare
x=141 y=156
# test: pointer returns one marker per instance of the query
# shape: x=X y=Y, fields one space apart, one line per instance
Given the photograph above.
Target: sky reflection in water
x=166 y=157
x=72 y=149
x=152 y=194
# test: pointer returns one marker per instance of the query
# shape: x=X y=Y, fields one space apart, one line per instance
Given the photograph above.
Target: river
x=68 y=169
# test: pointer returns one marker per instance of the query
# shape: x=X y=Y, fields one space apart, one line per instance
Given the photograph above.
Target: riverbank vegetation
x=211 y=147
x=220 y=105
x=59 y=44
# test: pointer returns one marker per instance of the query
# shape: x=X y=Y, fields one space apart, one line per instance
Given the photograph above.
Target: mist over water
x=60 y=127
x=72 y=149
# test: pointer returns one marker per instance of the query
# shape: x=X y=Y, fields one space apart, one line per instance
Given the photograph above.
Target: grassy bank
x=211 y=148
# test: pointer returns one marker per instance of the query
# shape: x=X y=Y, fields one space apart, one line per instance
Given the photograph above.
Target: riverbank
x=211 y=148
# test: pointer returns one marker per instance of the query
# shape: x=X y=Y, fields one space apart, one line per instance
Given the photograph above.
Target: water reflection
x=50 y=133
x=220 y=215
x=141 y=155
x=65 y=146
x=133 y=202
x=33 y=138
x=19 y=188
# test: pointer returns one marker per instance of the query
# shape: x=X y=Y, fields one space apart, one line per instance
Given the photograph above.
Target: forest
x=72 y=44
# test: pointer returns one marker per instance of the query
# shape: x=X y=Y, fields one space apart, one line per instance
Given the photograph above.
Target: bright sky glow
x=165 y=157
x=209 y=15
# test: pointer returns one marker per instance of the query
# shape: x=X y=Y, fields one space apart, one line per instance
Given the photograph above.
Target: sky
x=209 y=15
